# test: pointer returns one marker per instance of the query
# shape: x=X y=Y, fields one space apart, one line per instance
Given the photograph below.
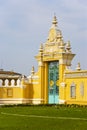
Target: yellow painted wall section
x=36 y=88
x=46 y=83
x=11 y=92
x=79 y=99
x=40 y=90
x=61 y=79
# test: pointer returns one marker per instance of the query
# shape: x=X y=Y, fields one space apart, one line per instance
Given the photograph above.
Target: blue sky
x=24 y=25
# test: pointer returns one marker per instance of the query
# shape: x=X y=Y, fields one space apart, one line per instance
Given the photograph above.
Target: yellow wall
x=79 y=99
x=16 y=92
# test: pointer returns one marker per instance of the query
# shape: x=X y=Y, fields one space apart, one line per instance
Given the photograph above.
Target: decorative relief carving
x=75 y=75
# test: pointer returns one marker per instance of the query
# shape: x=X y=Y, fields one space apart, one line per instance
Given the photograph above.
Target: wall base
x=20 y=101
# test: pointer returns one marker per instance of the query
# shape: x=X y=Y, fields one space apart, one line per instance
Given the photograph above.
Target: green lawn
x=43 y=118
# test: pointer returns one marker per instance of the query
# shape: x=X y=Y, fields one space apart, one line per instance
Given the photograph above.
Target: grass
x=43 y=118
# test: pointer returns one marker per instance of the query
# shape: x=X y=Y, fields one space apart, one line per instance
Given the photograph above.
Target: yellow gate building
x=53 y=83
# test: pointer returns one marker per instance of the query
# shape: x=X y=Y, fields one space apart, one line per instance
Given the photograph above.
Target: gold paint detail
x=51 y=83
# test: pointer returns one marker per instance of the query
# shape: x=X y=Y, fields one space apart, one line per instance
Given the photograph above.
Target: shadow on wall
x=28 y=93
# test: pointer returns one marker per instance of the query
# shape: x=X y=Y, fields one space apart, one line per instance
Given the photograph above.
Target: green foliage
x=43 y=117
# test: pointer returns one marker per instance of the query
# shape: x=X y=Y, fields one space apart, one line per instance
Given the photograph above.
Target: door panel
x=53 y=77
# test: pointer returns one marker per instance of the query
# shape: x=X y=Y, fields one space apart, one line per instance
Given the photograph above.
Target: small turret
x=33 y=70
x=41 y=48
x=68 y=47
x=59 y=34
x=62 y=47
x=78 y=66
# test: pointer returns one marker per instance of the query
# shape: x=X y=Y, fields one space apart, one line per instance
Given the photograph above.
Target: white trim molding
x=20 y=100
x=61 y=101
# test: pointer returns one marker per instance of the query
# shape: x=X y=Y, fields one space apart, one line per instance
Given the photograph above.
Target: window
x=73 y=90
x=82 y=89
x=9 y=92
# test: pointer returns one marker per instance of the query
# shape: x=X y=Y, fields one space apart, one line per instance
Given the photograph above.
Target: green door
x=53 y=78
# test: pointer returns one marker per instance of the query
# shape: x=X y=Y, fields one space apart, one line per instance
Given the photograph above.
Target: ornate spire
x=54 y=20
x=53 y=32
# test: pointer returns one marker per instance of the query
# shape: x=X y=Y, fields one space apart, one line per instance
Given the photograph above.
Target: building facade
x=54 y=82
